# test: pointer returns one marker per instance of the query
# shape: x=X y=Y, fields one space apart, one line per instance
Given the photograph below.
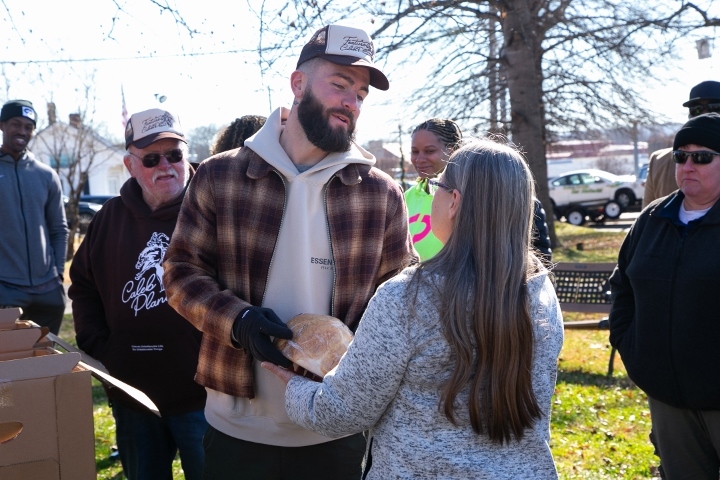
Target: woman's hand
x=286 y=375
x=282 y=374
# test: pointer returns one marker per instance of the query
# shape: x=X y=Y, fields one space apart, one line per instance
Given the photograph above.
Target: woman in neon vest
x=432 y=143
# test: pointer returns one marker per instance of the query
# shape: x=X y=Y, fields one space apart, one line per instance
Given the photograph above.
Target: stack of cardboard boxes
x=46 y=415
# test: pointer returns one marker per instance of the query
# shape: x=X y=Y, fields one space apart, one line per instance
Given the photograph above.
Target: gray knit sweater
x=388 y=383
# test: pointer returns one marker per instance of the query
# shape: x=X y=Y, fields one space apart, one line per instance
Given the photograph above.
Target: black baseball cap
x=708 y=90
x=345 y=46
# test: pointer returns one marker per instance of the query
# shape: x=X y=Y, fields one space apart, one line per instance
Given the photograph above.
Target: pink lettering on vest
x=424 y=219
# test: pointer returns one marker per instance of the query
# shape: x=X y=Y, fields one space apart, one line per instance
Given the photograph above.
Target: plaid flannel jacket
x=219 y=256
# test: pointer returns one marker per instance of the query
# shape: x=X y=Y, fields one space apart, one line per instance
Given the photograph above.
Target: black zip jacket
x=541 y=234
x=665 y=320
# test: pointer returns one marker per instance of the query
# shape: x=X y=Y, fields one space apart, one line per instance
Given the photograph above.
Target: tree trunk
x=71 y=244
x=72 y=221
x=522 y=58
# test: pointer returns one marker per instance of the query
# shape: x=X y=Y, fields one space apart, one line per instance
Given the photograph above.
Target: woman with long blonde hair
x=454 y=363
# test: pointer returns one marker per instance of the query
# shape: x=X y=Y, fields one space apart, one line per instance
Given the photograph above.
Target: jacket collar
x=26 y=156
x=670 y=208
x=258 y=168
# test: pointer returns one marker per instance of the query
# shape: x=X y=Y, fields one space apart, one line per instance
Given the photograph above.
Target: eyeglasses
x=153 y=159
x=437 y=184
x=698 y=158
x=699 y=109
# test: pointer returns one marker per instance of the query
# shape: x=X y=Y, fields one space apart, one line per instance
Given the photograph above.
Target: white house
x=387 y=158
x=79 y=150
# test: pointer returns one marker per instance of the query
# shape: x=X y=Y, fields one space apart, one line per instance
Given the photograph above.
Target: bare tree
x=532 y=69
x=614 y=165
x=74 y=149
x=199 y=141
x=565 y=65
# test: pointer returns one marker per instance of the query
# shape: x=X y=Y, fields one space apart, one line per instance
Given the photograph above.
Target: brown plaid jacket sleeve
x=219 y=258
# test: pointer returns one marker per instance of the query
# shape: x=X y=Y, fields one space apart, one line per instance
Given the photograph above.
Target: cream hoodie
x=301 y=280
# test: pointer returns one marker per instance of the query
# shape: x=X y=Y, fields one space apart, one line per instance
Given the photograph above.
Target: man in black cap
x=34 y=234
x=704 y=98
x=297 y=221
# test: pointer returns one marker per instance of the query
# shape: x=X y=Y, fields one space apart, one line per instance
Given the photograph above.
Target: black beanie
x=703 y=130
x=18 y=108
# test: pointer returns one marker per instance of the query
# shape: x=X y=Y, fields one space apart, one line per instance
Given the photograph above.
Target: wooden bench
x=585 y=288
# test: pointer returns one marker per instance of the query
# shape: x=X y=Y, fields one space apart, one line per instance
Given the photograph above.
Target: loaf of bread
x=318 y=343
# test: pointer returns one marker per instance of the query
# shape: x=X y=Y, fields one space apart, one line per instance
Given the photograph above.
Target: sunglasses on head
x=153 y=159
x=698 y=158
x=696 y=110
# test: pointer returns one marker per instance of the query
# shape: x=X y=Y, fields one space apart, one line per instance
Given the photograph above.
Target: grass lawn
x=599 y=425
x=597 y=245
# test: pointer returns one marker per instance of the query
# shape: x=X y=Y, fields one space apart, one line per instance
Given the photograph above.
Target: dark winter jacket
x=665 y=320
x=541 y=235
x=121 y=313
x=34 y=233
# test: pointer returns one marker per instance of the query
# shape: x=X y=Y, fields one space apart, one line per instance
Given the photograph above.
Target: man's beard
x=315 y=122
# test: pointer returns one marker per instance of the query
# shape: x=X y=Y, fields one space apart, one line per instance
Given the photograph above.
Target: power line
x=115 y=59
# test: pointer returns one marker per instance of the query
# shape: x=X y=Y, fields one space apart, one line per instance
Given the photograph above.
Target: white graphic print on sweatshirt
x=147 y=291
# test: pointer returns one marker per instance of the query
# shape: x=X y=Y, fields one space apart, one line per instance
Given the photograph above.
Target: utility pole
x=402 y=158
x=636 y=155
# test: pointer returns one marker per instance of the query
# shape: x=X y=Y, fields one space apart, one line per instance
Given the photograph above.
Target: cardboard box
x=99 y=371
x=21 y=338
x=8 y=317
x=10 y=320
x=35 y=352
x=46 y=414
x=46 y=420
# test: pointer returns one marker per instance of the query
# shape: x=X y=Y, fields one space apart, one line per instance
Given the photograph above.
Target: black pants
x=230 y=458
x=45 y=309
x=688 y=441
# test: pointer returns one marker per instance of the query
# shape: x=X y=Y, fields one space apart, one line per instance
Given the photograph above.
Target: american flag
x=124 y=108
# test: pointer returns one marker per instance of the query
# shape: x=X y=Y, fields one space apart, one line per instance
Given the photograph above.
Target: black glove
x=252 y=331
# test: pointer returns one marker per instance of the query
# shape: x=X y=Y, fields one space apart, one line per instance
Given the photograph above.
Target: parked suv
x=592 y=193
x=86 y=212
x=99 y=199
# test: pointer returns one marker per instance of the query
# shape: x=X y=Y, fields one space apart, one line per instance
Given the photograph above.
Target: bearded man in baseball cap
x=297 y=221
